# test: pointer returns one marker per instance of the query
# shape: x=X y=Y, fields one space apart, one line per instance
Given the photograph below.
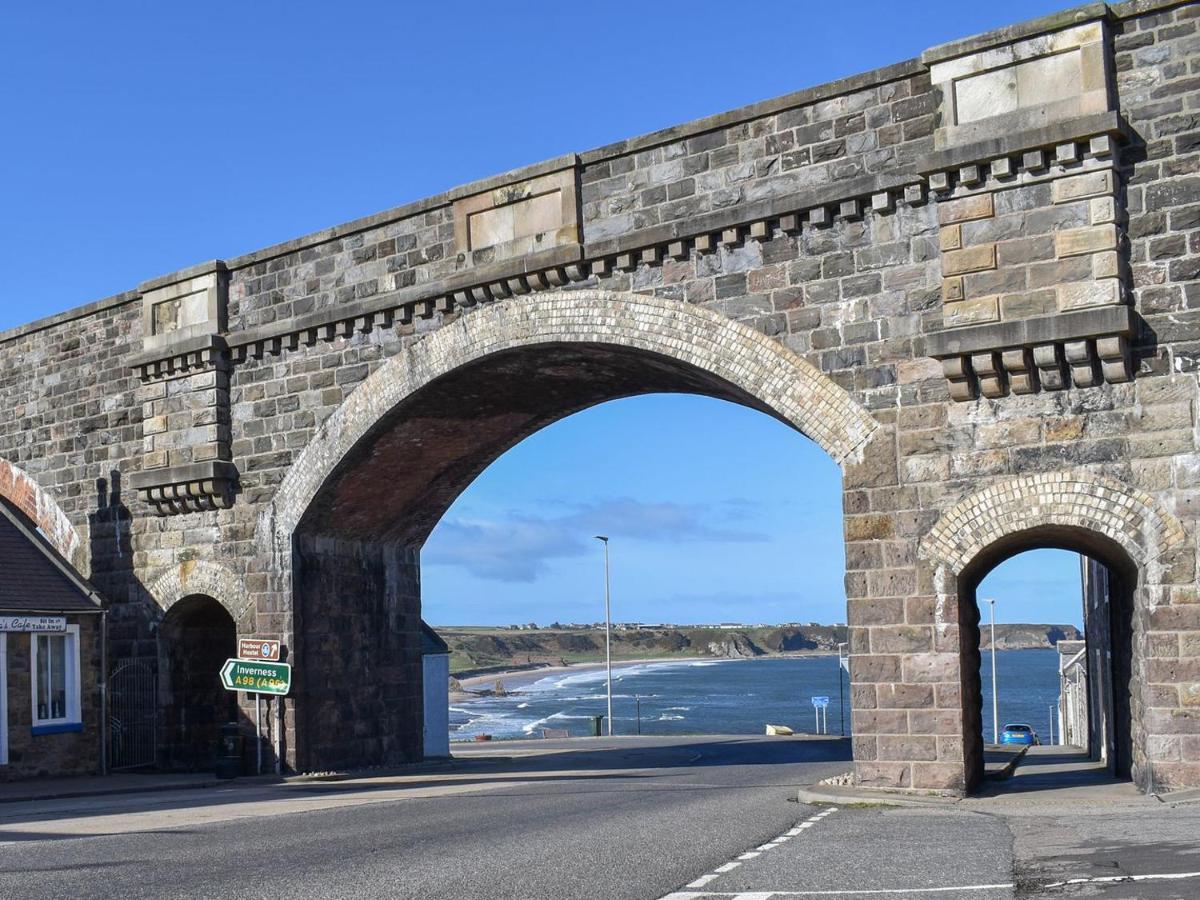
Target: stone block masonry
x=978 y=297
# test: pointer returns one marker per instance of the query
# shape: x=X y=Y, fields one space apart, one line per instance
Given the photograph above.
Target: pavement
x=680 y=818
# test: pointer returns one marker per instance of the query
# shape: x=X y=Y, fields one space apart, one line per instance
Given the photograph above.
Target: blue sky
x=144 y=137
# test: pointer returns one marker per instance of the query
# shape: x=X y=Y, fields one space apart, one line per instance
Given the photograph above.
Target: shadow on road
x=611 y=760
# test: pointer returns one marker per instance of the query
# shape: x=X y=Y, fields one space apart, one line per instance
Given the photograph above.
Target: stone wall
x=1000 y=298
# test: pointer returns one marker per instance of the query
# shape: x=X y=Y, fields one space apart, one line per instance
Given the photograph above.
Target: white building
x=435 y=670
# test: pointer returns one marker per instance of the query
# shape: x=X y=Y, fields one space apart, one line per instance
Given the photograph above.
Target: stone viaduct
x=970 y=277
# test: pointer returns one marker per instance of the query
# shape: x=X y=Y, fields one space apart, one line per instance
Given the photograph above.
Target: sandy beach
x=515 y=679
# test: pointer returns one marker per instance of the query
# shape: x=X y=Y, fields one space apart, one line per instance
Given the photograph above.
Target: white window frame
x=73 y=720
x=3 y=698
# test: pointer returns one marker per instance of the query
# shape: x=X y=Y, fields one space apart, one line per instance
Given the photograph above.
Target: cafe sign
x=33 y=623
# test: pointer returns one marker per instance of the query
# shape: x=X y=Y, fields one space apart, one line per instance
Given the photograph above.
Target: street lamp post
x=607 y=629
x=995 y=701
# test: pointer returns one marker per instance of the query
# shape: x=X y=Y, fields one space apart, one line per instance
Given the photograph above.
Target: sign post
x=821 y=712
x=257 y=670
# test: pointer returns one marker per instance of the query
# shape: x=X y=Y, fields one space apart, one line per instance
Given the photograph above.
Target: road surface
x=647 y=818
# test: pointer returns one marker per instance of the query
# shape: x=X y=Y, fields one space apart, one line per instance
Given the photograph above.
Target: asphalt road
x=647 y=818
x=637 y=821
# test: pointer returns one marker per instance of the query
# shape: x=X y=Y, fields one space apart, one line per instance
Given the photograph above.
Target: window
x=55 y=659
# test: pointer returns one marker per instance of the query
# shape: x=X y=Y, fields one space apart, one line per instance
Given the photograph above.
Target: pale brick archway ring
x=27 y=495
x=198 y=577
x=1128 y=517
x=794 y=389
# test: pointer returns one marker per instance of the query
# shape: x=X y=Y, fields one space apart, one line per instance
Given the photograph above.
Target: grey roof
x=34 y=577
x=431 y=641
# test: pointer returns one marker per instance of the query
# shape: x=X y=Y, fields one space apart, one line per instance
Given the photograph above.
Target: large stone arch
x=782 y=381
x=19 y=488
x=210 y=579
x=340 y=540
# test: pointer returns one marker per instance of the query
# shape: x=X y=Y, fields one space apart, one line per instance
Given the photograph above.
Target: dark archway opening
x=195 y=639
x=1104 y=664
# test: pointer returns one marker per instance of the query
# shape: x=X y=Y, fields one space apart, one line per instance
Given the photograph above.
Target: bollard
x=229 y=759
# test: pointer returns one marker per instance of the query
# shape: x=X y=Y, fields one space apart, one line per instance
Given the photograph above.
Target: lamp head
x=602 y=537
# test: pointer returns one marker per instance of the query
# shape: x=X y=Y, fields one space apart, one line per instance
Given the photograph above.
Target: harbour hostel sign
x=33 y=623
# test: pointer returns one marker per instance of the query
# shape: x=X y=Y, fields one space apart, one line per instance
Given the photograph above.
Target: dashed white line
x=745 y=857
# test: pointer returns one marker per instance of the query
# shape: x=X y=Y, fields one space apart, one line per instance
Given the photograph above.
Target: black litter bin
x=597 y=721
x=229 y=757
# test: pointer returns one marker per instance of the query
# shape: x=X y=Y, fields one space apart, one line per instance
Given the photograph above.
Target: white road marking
x=1115 y=879
x=748 y=855
x=766 y=895
x=874 y=892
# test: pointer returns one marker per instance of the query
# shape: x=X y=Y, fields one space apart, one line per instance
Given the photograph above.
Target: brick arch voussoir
x=758 y=365
x=20 y=489
x=200 y=577
x=1131 y=518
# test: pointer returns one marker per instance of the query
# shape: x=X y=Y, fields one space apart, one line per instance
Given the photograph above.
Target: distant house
x=435 y=670
x=51 y=637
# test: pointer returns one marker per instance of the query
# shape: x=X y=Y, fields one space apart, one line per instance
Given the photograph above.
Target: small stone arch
x=20 y=489
x=758 y=365
x=202 y=577
x=1077 y=500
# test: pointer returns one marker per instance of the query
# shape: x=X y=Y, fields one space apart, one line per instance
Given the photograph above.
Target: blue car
x=1019 y=734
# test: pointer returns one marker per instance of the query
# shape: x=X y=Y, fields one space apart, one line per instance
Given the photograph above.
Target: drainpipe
x=104 y=692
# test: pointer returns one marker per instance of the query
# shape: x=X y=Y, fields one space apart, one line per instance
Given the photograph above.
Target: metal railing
x=133 y=715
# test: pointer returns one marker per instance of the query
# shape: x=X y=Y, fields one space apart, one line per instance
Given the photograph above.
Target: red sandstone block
x=907 y=747
x=935 y=721
x=939 y=776
x=905 y=696
x=880 y=721
x=884 y=774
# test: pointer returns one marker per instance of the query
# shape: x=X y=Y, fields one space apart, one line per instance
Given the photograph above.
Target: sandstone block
x=1082 y=294
x=1029 y=303
x=964 y=209
x=969 y=259
x=907 y=747
x=971 y=312
x=1078 y=241
x=950 y=237
x=1090 y=184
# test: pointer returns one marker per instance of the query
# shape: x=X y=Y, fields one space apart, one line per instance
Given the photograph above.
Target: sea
x=735 y=696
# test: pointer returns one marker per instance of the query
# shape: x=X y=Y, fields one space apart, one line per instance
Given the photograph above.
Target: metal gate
x=133 y=715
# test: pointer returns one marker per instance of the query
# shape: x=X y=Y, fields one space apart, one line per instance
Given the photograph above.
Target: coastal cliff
x=476 y=649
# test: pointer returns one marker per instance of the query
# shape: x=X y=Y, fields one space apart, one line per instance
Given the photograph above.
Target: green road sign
x=256 y=677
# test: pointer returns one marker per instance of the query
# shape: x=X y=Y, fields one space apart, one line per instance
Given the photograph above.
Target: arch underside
x=398 y=481
x=462 y=394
